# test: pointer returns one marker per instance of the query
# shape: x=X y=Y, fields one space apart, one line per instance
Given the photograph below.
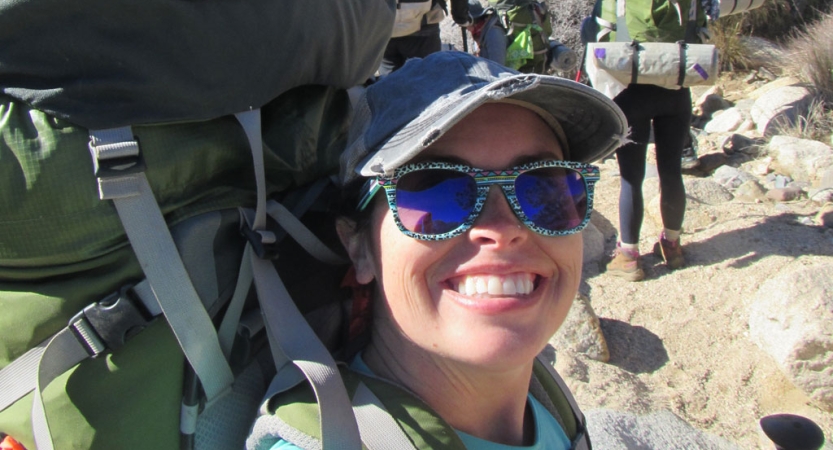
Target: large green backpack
x=142 y=149
x=528 y=31
x=645 y=21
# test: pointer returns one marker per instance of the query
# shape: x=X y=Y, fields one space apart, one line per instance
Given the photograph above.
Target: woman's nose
x=497 y=224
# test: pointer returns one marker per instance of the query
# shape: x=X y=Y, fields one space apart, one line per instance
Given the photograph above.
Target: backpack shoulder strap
x=389 y=417
x=549 y=388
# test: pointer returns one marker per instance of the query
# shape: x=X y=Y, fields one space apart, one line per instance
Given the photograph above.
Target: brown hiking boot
x=670 y=251
x=625 y=265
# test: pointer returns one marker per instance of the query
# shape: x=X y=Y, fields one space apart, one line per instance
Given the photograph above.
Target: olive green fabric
x=297 y=407
x=653 y=20
x=108 y=63
x=62 y=248
x=526 y=19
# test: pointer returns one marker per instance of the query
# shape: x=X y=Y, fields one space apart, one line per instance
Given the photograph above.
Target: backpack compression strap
x=290 y=336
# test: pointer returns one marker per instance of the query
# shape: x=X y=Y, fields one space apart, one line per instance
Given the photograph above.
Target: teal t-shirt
x=548 y=432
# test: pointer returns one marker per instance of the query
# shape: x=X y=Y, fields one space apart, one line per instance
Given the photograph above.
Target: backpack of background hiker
x=660 y=42
x=528 y=29
x=106 y=105
x=411 y=15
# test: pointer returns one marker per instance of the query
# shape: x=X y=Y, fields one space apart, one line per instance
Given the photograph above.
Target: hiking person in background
x=652 y=92
x=516 y=33
x=416 y=32
x=467 y=185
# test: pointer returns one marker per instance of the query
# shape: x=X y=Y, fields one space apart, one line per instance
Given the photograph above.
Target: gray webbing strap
x=290 y=336
x=378 y=428
x=605 y=28
x=622 y=34
x=19 y=377
x=302 y=234
x=154 y=248
x=35 y=369
x=228 y=327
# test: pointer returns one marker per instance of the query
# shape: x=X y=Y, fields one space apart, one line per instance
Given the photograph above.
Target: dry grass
x=816 y=124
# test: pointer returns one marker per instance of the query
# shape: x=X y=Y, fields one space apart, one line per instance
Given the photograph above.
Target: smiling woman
x=473 y=254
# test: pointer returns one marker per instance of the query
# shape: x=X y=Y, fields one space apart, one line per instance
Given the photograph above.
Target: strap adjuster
x=116 y=159
x=110 y=322
x=263 y=242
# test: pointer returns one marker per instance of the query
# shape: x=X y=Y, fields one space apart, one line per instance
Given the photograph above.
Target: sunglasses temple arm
x=371 y=187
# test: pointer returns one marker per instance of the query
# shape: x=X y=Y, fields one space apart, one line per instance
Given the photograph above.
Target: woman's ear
x=359 y=252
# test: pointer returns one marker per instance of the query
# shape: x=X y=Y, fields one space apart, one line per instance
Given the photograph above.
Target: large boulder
x=780 y=108
x=791 y=318
x=615 y=430
x=801 y=159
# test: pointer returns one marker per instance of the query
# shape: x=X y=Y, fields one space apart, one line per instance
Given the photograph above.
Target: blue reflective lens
x=435 y=201
x=553 y=198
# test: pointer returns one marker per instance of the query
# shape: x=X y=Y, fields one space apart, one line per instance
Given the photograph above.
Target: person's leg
x=631 y=159
x=392 y=58
x=671 y=131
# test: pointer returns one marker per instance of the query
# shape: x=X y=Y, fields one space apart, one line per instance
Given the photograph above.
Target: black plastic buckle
x=263 y=250
x=116 y=318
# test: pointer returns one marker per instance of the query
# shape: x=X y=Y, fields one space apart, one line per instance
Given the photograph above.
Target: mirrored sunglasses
x=439 y=200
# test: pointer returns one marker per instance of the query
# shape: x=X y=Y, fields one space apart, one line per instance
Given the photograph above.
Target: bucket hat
x=405 y=112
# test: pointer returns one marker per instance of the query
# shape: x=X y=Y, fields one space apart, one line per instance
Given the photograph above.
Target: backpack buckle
x=263 y=242
x=116 y=158
x=110 y=322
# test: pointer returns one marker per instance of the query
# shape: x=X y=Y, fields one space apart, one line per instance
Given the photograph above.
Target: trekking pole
x=792 y=432
x=465 y=40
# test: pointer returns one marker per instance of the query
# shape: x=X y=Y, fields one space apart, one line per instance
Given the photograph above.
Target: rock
x=785 y=194
x=730 y=177
x=780 y=108
x=615 y=430
x=594 y=243
x=728 y=120
x=750 y=191
x=758 y=167
x=802 y=159
x=581 y=332
x=711 y=161
x=779 y=83
x=707 y=191
x=824 y=218
x=709 y=103
x=791 y=319
x=740 y=143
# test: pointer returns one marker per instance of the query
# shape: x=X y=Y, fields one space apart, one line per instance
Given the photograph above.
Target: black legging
x=670 y=111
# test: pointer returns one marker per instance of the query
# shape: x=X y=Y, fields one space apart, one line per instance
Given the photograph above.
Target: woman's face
x=424 y=303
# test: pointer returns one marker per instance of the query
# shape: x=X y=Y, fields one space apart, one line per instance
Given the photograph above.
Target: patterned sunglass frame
x=484 y=179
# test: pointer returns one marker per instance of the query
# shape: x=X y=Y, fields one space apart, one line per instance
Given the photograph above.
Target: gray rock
x=801 y=159
x=594 y=243
x=791 y=319
x=581 y=332
x=750 y=191
x=707 y=191
x=614 y=430
x=726 y=121
x=780 y=108
x=731 y=177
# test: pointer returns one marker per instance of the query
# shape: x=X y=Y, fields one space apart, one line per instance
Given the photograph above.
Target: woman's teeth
x=516 y=284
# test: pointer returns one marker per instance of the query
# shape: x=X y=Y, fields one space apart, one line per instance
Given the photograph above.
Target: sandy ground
x=680 y=340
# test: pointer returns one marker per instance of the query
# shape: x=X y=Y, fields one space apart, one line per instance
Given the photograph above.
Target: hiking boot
x=689 y=159
x=625 y=264
x=670 y=251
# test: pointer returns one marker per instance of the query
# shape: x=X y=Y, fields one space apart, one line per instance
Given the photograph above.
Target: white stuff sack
x=669 y=65
x=409 y=17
